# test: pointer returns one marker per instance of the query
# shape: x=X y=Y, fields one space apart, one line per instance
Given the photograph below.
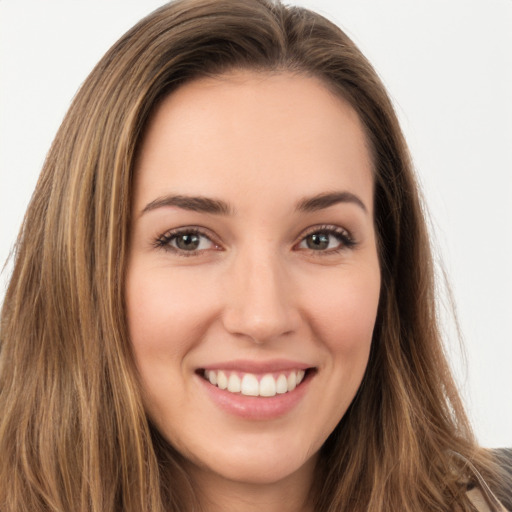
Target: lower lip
x=256 y=407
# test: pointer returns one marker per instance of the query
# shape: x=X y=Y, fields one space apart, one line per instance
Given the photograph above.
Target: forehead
x=257 y=131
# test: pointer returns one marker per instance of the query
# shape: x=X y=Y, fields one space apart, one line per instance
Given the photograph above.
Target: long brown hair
x=73 y=431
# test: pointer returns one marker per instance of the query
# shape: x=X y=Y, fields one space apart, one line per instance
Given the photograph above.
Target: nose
x=259 y=299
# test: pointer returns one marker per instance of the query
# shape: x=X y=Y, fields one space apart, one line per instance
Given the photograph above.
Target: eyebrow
x=218 y=207
x=325 y=200
x=191 y=203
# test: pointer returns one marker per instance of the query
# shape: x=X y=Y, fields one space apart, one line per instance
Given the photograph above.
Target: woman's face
x=252 y=266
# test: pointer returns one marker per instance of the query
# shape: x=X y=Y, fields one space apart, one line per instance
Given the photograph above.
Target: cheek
x=343 y=318
x=163 y=327
x=344 y=310
x=164 y=312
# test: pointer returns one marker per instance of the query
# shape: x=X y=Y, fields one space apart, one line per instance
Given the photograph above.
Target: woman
x=223 y=295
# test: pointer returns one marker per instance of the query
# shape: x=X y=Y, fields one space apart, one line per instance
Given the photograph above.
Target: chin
x=253 y=463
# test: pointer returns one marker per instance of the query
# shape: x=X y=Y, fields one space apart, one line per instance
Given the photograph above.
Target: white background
x=448 y=67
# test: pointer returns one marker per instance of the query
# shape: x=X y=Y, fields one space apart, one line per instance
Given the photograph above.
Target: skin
x=256 y=288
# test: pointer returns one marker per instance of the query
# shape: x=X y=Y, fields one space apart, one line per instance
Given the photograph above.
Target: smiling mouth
x=251 y=384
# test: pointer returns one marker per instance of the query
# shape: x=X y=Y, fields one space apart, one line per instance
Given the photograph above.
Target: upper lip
x=251 y=366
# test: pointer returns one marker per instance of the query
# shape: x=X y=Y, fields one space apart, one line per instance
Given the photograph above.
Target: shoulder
x=503 y=457
x=493 y=493
x=499 y=499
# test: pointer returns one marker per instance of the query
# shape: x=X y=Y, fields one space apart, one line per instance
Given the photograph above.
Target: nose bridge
x=259 y=301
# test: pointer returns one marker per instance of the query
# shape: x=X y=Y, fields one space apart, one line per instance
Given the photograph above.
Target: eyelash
x=345 y=239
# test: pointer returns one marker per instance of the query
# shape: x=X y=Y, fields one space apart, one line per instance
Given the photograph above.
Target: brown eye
x=318 y=241
x=326 y=239
x=187 y=241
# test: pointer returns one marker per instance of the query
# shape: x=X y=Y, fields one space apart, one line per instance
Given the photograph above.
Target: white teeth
x=222 y=380
x=212 y=377
x=267 y=386
x=248 y=384
x=292 y=381
x=281 y=384
x=234 y=383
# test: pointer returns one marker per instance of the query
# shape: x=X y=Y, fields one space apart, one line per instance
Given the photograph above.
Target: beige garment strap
x=477 y=499
x=482 y=497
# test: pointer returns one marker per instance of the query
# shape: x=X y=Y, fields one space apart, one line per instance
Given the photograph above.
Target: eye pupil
x=318 y=241
x=187 y=242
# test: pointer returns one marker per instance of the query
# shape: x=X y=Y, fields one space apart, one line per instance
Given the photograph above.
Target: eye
x=328 y=239
x=186 y=241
